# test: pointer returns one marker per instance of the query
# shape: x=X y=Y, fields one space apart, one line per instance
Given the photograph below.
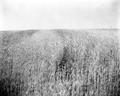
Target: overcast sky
x=61 y=14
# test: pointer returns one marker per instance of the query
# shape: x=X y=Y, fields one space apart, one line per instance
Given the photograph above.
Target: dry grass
x=65 y=63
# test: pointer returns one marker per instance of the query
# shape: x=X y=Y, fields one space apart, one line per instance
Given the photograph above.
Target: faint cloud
x=115 y=10
x=5 y=8
x=21 y=14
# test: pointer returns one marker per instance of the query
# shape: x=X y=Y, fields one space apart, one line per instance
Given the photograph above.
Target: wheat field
x=60 y=63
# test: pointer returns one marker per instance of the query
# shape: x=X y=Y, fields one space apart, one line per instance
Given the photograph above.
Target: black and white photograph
x=59 y=47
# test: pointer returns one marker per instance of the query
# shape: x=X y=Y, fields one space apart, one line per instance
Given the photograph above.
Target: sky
x=59 y=14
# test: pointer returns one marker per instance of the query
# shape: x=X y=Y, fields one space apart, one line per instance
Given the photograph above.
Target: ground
x=59 y=63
